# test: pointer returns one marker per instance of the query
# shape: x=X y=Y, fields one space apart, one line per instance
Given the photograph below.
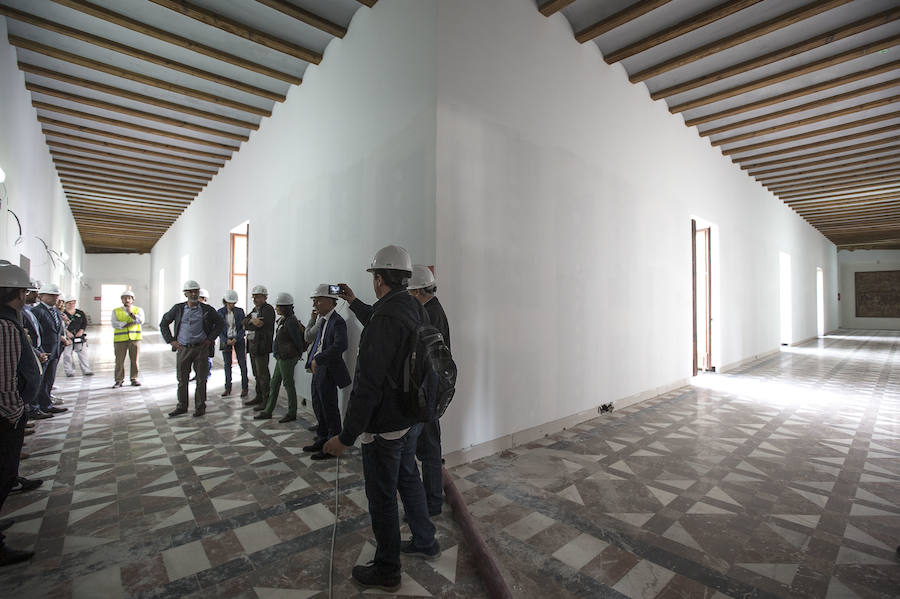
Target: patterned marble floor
x=778 y=480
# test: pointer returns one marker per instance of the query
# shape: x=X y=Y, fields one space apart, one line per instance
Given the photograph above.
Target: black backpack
x=429 y=375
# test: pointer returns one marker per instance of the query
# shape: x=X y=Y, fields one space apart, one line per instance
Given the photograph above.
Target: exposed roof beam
x=127 y=125
x=101 y=207
x=817 y=175
x=305 y=16
x=88 y=178
x=233 y=27
x=182 y=42
x=840 y=192
x=82 y=199
x=857 y=183
x=56 y=146
x=25 y=44
x=832 y=152
x=692 y=23
x=132 y=164
x=124 y=148
x=817 y=65
x=833 y=214
x=102 y=169
x=838 y=205
x=100 y=225
x=808 y=202
x=625 y=15
x=130 y=95
x=89 y=215
x=93 y=190
x=814 y=133
x=106 y=174
x=139 y=54
x=830 y=161
x=553 y=6
x=782 y=54
x=158 y=192
x=371 y=3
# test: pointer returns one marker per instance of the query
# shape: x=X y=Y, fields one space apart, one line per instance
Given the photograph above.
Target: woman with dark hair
x=231 y=340
x=287 y=348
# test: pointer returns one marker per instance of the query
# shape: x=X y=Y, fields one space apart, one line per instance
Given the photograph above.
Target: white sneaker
x=57 y=400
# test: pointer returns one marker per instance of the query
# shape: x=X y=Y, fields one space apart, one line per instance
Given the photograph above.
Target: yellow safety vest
x=130 y=333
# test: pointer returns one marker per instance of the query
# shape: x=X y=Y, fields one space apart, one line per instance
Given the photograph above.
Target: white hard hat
x=69 y=298
x=204 y=293
x=391 y=257
x=34 y=285
x=230 y=296
x=190 y=285
x=284 y=299
x=127 y=293
x=13 y=276
x=421 y=278
x=259 y=290
x=49 y=289
x=322 y=291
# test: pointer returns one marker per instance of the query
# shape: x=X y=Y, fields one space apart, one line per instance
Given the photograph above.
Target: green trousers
x=284 y=371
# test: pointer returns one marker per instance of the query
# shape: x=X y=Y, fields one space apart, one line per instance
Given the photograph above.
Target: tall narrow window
x=786 y=299
x=820 y=302
x=239 y=259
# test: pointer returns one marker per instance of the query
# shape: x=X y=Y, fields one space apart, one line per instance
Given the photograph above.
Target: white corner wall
x=343 y=167
x=864 y=261
x=564 y=201
x=115 y=269
x=33 y=191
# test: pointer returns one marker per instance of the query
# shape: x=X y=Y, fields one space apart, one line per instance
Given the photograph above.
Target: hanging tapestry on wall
x=878 y=294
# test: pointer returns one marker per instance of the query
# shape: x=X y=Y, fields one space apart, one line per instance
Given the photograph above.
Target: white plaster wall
x=564 y=200
x=33 y=191
x=343 y=167
x=115 y=269
x=863 y=261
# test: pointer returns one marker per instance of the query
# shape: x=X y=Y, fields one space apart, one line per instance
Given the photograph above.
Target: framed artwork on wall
x=878 y=294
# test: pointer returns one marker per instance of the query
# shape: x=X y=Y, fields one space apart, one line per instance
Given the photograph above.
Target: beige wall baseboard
x=748 y=360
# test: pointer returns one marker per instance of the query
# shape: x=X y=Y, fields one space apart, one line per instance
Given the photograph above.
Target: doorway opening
x=701 y=257
x=240 y=257
x=110 y=299
x=820 y=302
x=784 y=270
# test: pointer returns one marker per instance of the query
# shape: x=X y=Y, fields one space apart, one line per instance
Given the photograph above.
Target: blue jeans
x=428 y=450
x=324 y=396
x=241 y=350
x=389 y=467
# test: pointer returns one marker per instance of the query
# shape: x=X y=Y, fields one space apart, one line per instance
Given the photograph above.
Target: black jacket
x=383 y=345
x=28 y=369
x=52 y=329
x=77 y=322
x=212 y=323
x=438 y=318
x=289 y=343
x=330 y=361
x=261 y=344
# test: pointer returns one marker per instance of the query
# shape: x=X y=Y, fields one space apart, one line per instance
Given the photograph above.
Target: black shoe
x=287 y=418
x=9 y=556
x=303 y=401
x=4 y=524
x=38 y=415
x=313 y=428
x=369 y=577
x=177 y=412
x=55 y=410
x=192 y=379
x=244 y=393
x=259 y=408
x=320 y=456
x=315 y=447
x=117 y=385
x=88 y=374
x=226 y=392
x=254 y=402
x=431 y=553
x=199 y=412
x=23 y=485
x=135 y=383
x=262 y=416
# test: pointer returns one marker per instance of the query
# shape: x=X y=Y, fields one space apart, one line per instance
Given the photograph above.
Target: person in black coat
x=75 y=331
x=232 y=341
x=260 y=327
x=52 y=341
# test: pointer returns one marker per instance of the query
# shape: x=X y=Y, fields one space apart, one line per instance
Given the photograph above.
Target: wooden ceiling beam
x=814 y=133
x=810 y=202
x=825 y=116
x=150 y=192
x=786 y=20
x=136 y=97
x=868 y=226
x=101 y=208
x=836 y=193
x=103 y=163
x=114 y=227
x=848 y=208
x=176 y=40
x=148 y=225
x=100 y=42
x=126 y=148
x=884 y=176
x=371 y=3
x=716 y=13
x=89 y=176
x=812 y=43
x=95 y=65
x=305 y=16
x=139 y=114
x=553 y=6
x=127 y=125
x=101 y=168
x=829 y=162
x=893 y=163
x=795 y=191
x=207 y=17
x=82 y=200
x=857 y=215
x=832 y=152
x=55 y=148
x=860 y=238
x=863 y=91
x=811 y=67
x=618 y=19
x=216 y=158
x=96 y=190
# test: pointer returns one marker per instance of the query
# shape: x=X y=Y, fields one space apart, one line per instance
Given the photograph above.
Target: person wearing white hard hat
x=20 y=379
x=204 y=299
x=53 y=340
x=197 y=326
x=231 y=341
x=127 y=321
x=422 y=286
x=388 y=435
x=288 y=346
x=260 y=327
x=75 y=332
x=326 y=363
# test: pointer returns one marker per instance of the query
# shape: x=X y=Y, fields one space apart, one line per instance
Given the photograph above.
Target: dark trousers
x=240 y=349
x=428 y=450
x=389 y=467
x=324 y=396
x=11 y=437
x=47 y=381
x=194 y=356
x=260 y=365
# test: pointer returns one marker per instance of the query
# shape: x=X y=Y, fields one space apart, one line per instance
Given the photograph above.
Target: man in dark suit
x=52 y=339
x=326 y=362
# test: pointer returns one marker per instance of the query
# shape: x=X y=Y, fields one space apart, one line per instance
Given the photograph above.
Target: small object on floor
x=244 y=393
x=315 y=447
x=10 y=556
x=135 y=383
x=4 y=524
x=262 y=416
x=88 y=374
x=199 y=412
x=313 y=428
x=303 y=401
x=117 y=385
x=368 y=576
x=321 y=455
x=55 y=410
x=433 y=552
x=287 y=418
x=38 y=415
x=226 y=392
x=177 y=412
x=23 y=485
